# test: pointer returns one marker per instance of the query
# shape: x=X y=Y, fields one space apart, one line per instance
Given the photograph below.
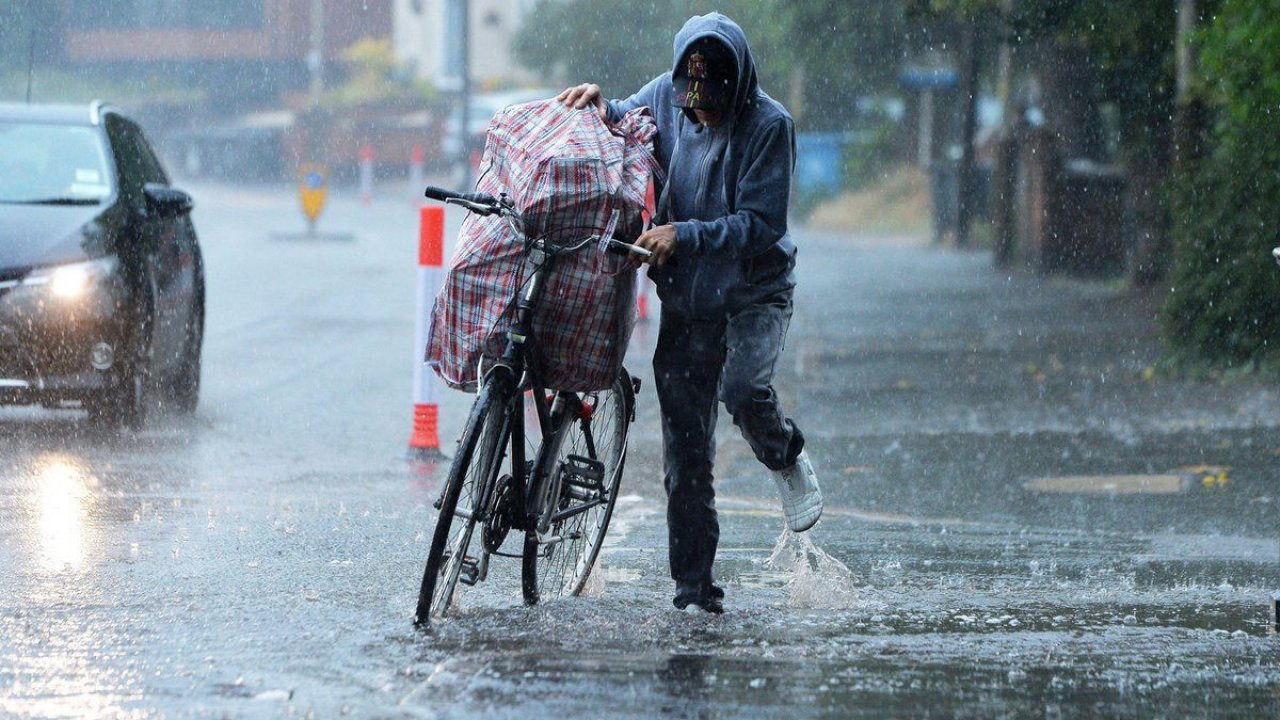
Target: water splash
x=596 y=583
x=818 y=580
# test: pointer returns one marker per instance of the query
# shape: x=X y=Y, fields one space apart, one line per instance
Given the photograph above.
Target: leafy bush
x=1224 y=305
x=875 y=151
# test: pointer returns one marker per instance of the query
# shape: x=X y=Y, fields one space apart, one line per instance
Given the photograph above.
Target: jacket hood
x=720 y=27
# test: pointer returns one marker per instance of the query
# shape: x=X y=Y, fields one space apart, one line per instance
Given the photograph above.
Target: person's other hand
x=661 y=241
x=580 y=96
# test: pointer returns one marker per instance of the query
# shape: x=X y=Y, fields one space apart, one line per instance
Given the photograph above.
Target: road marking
x=1111 y=484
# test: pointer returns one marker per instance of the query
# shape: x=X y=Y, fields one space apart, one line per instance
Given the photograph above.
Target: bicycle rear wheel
x=475 y=467
x=589 y=454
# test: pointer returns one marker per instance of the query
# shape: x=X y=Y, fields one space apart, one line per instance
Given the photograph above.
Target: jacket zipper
x=704 y=172
x=699 y=206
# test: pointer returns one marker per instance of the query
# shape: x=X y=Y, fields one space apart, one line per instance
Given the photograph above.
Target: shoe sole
x=803 y=521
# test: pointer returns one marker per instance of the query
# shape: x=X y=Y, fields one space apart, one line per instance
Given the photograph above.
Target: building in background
x=426 y=36
x=263 y=74
x=243 y=54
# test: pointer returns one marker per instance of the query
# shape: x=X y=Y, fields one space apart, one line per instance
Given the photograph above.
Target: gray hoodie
x=727 y=188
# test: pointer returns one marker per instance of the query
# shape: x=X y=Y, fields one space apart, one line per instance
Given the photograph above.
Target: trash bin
x=1088 y=209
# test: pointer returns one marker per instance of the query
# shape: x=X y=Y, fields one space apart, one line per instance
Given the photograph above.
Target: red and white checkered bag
x=567 y=173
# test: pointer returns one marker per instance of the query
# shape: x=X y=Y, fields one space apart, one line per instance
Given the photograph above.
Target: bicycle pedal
x=469 y=573
x=583 y=472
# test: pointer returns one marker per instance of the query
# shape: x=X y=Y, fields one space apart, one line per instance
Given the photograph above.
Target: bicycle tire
x=563 y=568
x=472 y=473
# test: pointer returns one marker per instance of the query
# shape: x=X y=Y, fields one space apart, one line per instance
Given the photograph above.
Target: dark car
x=101 y=279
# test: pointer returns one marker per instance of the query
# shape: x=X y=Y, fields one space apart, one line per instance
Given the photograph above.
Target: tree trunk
x=1070 y=102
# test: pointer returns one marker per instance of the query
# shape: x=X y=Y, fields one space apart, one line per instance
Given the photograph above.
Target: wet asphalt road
x=1022 y=519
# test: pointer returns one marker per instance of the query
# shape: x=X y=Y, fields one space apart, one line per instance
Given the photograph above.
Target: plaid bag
x=567 y=173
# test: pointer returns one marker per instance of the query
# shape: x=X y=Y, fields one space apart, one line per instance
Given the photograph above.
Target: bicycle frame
x=517 y=369
x=520 y=363
x=540 y=493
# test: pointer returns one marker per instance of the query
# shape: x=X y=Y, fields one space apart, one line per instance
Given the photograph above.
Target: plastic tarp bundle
x=567 y=173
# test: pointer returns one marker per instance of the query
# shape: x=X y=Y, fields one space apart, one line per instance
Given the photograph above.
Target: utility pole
x=465 y=95
x=458 y=73
x=315 y=56
x=969 y=97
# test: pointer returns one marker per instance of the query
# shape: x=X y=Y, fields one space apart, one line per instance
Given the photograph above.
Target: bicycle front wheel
x=589 y=453
x=471 y=479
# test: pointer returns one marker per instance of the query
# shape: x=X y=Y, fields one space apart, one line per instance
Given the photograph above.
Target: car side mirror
x=167 y=202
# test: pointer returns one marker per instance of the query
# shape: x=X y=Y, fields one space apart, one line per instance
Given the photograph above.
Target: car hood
x=32 y=235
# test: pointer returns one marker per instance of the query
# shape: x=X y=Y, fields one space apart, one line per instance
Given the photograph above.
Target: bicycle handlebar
x=486 y=204
x=436 y=193
x=615 y=246
x=619 y=247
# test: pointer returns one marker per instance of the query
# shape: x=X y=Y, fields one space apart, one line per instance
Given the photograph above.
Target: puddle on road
x=859 y=619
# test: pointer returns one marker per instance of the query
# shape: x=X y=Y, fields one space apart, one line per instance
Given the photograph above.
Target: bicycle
x=563 y=497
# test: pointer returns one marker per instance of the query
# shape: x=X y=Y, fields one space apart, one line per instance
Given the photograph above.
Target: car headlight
x=73 y=280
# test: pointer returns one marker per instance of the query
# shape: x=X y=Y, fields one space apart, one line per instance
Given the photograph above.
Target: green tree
x=817 y=57
x=618 y=44
x=1224 y=305
x=842 y=55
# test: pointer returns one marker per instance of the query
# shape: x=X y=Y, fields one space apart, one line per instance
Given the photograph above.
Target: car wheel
x=125 y=404
x=184 y=384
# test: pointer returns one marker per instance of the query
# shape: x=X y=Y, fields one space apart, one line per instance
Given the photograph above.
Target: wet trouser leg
x=695 y=363
x=686 y=365
x=753 y=341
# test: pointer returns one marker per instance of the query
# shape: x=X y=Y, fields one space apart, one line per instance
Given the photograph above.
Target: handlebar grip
x=436 y=193
x=620 y=247
x=440 y=194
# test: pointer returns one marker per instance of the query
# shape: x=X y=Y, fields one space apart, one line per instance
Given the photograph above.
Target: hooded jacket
x=727 y=188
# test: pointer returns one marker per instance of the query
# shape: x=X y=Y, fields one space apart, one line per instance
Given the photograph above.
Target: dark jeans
x=697 y=362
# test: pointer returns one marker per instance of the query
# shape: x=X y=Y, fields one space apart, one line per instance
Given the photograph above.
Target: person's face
x=710 y=118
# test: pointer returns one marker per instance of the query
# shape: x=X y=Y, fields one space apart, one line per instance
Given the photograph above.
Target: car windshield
x=52 y=164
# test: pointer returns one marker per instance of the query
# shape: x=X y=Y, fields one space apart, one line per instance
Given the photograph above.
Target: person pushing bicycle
x=723 y=265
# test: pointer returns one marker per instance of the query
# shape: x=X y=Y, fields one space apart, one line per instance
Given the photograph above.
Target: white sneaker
x=801 y=496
